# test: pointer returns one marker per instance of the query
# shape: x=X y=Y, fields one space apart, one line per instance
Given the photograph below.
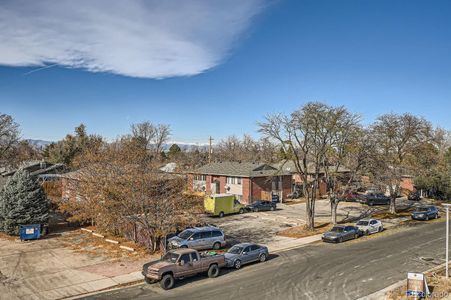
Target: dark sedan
x=375 y=199
x=414 y=196
x=260 y=205
x=341 y=233
x=425 y=213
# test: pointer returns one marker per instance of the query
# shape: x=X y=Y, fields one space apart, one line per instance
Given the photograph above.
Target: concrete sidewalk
x=46 y=269
x=282 y=243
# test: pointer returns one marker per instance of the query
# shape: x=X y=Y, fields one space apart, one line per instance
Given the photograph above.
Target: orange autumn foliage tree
x=119 y=185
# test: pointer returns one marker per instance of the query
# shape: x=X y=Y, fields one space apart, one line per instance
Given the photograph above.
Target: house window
x=200 y=177
x=233 y=180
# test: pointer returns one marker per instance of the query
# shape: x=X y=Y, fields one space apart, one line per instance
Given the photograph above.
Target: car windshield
x=185 y=234
x=337 y=229
x=235 y=250
x=363 y=223
x=422 y=209
x=170 y=257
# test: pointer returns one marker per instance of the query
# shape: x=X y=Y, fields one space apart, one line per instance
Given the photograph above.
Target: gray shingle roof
x=289 y=166
x=240 y=169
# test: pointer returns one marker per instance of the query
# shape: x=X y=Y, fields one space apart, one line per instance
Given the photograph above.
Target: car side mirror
x=181 y=263
x=244 y=253
x=190 y=239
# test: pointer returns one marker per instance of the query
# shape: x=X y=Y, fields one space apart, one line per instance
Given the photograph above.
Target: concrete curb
x=98 y=234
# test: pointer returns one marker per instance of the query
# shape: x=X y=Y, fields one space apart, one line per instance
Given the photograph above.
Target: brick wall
x=246 y=191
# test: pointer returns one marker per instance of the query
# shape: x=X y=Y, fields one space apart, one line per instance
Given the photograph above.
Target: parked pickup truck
x=180 y=263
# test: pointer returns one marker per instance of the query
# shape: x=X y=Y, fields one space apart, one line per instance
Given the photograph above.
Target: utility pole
x=447 y=205
x=209 y=149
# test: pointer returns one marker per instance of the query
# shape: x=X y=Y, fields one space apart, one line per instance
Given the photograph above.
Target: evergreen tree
x=22 y=201
x=174 y=150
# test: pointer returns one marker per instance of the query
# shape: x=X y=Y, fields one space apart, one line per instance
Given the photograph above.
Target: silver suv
x=198 y=238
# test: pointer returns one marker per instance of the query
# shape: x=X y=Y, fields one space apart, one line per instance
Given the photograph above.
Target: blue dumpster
x=30 y=232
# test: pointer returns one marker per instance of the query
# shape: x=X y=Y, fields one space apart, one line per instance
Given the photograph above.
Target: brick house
x=246 y=180
x=289 y=167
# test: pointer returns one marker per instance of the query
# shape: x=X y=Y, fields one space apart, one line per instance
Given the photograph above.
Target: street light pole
x=447 y=205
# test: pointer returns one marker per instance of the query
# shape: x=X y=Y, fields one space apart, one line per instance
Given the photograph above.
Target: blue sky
x=371 y=56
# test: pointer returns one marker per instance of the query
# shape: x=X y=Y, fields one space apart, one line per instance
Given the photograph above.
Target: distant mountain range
x=41 y=144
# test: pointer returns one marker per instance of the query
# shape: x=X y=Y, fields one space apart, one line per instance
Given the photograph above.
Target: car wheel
x=237 y=264
x=436 y=216
x=213 y=271
x=379 y=229
x=356 y=236
x=221 y=214
x=262 y=257
x=256 y=209
x=367 y=232
x=340 y=240
x=272 y=208
x=167 y=282
x=216 y=246
x=241 y=211
x=427 y=218
x=370 y=203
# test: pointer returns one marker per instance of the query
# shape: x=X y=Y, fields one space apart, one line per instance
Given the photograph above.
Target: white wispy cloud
x=138 y=38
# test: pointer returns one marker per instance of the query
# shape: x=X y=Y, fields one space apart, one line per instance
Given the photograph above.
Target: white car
x=369 y=226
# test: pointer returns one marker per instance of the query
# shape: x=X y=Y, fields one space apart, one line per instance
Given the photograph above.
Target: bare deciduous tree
x=151 y=136
x=306 y=136
x=395 y=138
x=9 y=136
x=121 y=186
x=233 y=148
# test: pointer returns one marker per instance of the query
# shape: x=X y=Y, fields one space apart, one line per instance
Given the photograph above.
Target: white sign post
x=447 y=205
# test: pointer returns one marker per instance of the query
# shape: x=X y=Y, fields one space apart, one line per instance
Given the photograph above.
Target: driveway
x=262 y=227
x=48 y=269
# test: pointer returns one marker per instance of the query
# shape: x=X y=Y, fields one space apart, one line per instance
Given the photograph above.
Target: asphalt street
x=350 y=270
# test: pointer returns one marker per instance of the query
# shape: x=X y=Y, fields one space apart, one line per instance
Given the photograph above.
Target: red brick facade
x=252 y=188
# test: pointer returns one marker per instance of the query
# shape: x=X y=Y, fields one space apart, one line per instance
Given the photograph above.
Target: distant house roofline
x=239 y=169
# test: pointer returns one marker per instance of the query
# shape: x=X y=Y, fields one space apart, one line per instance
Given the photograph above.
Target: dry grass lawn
x=439 y=287
x=85 y=242
x=303 y=231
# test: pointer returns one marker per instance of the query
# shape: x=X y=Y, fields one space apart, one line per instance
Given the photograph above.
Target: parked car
x=222 y=204
x=260 y=205
x=198 y=238
x=414 y=196
x=375 y=199
x=245 y=253
x=425 y=213
x=341 y=233
x=181 y=263
x=369 y=226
